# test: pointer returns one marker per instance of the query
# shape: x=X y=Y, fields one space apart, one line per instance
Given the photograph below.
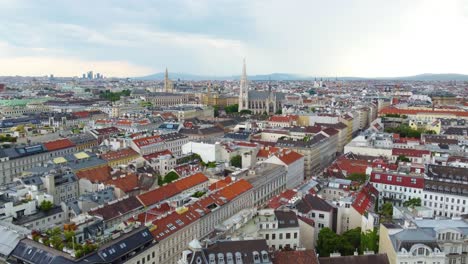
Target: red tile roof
x=81 y=114
x=266 y=152
x=220 y=184
x=393 y=110
x=165 y=192
x=117 y=208
x=281 y=199
x=410 y=152
x=58 y=144
x=289 y=156
x=141 y=142
x=125 y=182
x=156 y=155
x=119 y=154
x=394 y=178
x=233 y=190
x=297 y=257
x=364 y=200
x=95 y=175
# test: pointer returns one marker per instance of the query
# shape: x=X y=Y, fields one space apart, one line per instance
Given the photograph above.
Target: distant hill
x=290 y=77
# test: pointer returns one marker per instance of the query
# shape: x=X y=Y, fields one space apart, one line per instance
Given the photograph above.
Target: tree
x=312 y=109
x=328 y=242
x=370 y=241
x=403 y=158
x=358 y=177
x=236 y=161
x=245 y=112
x=216 y=110
x=230 y=109
x=160 y=180
x=387 y=212
x=56 y=242
x=46 y=205
x=413 y=202
x=279 y=111
x=351 y=241
x=170 y=177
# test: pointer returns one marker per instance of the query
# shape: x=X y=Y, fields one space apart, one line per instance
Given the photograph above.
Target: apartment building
x=13 y=161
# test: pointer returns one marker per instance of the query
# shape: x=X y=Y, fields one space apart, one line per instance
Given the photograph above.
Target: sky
x=126 y=38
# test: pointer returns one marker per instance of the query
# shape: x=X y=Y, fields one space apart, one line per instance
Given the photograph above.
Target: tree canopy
x=412 y=202
x=231 y=109
x=236 y=161
x=168 y=178
x=113 y=96
x=46 y=205
x=358 y=177
x=386 y=212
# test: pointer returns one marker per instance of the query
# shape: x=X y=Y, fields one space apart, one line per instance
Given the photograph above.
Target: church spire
x=244 y=90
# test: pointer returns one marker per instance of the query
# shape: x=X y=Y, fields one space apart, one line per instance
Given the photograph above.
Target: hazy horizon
x=361 y=38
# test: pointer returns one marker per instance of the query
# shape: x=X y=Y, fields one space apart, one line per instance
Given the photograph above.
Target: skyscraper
x=244 y=90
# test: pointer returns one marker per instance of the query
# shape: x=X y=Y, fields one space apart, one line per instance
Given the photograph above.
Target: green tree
x=313 y=109
x=216 y=110
x=56 y=242
x=170 y=177
x=413 y=202
x=328 y=242
x=387 y=212
x=230 y=109
x=351 y=241
x=236 y=161
x=46 y=205
x=403 y=158
x=279 y=111
x=370 y=241
x=358 y=177
x=245 y=112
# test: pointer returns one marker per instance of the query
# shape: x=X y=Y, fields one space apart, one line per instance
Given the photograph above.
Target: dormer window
x=229 y=258
x=238 y=258
x=256 y=257
x=220 y=258
x=264 y=256
x=212 y=259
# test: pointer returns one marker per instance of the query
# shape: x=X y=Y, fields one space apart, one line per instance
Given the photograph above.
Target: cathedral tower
x=244 y=90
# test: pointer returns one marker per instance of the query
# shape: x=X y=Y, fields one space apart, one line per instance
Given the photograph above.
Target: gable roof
x=58 y=144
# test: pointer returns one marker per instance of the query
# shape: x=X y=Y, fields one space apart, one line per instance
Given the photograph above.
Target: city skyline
x=360 y=38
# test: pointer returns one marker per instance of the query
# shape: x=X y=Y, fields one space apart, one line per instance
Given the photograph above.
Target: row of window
x=280 y=236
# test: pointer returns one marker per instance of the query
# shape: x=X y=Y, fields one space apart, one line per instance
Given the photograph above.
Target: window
x=281 y=236
x=389 y=178
x=398 y=179
x=288 y=235
x=321 y=216
x=377 y=176
x=295 y=234
x=413 y=181
x=273 y=236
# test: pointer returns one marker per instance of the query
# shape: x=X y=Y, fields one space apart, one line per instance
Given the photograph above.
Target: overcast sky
x=136 y=37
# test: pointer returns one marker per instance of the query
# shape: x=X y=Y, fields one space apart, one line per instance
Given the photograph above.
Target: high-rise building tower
x=244 y=90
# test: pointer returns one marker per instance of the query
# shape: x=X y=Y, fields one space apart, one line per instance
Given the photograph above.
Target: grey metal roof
x=8 y=240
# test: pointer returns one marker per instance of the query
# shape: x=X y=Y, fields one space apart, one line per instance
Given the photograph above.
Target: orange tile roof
x=267 y=152
x=393 y=110
x=141 y=142
x=155 y=155
x=233 y=190
x=58 y=144
x=289 y=156
x=165 y=192
x=119 y=154
x=95 y=175
x=125 y=182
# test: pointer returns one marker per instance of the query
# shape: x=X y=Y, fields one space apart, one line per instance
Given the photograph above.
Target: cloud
x=362 y=37
x=68 y=66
